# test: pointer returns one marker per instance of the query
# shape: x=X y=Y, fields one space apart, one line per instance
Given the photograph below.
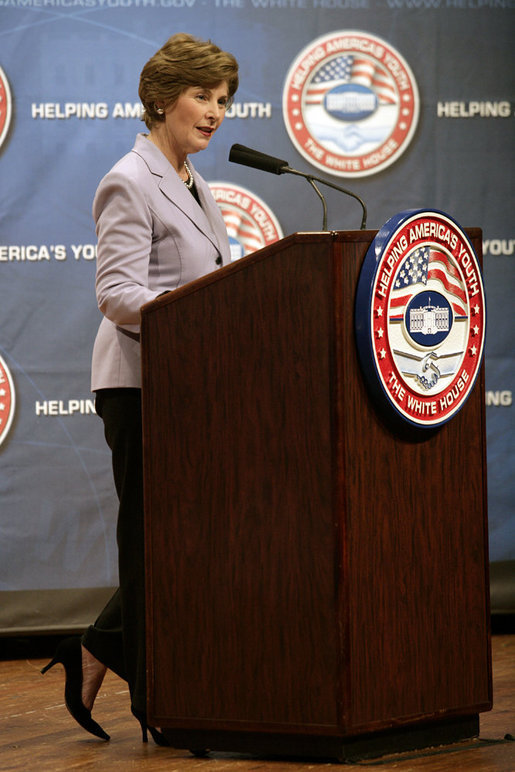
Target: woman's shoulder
x=125 y=185
x=132 y=163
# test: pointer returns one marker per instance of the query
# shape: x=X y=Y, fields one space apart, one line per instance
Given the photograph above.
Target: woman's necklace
x=189 y=181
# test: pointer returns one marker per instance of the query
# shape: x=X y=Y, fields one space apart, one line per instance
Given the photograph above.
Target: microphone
x=240 y=154
x=245 y=155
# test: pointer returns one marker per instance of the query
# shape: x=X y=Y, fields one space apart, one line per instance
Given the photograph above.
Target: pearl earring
x=159 y=110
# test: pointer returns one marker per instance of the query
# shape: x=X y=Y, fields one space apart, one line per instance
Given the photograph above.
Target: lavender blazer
x=152 y=237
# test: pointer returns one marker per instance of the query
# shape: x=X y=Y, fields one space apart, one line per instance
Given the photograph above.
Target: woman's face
x=193 y=119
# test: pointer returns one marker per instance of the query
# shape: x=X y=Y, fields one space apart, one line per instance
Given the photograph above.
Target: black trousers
x=117 y=638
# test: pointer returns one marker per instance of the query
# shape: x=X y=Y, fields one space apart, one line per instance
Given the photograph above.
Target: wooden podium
x=317 y=581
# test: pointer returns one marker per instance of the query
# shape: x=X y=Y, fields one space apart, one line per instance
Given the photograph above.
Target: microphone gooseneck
x=254 y=158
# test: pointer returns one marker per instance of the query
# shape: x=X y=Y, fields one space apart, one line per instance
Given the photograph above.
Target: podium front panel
x=242 y=547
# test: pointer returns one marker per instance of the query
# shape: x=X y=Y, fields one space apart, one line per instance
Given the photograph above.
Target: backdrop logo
x=350 y=103
x=5 y=107
x=250 y=223
x=420 y=316
x=7 y=400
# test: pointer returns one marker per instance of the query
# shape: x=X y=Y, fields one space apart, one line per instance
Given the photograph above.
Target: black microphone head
x=245 y=155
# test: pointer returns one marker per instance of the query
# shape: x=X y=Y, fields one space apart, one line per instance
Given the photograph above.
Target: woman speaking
x=158 y=227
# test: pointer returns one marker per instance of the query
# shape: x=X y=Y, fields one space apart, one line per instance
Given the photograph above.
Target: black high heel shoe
x=157 y=736
x=69 y=654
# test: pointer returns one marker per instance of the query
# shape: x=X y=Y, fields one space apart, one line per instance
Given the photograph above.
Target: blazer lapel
x=175 y=189
x=205 y=218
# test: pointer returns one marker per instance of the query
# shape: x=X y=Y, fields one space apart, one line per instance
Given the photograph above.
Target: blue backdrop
x=430 y=83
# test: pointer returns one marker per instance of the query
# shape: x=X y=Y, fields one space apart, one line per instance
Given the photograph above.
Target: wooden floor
x=37 y=733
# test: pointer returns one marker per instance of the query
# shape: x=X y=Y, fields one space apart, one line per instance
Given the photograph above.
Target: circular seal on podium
x=420 y=317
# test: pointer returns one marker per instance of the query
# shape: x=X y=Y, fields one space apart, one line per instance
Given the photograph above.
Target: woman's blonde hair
x=182 y=62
